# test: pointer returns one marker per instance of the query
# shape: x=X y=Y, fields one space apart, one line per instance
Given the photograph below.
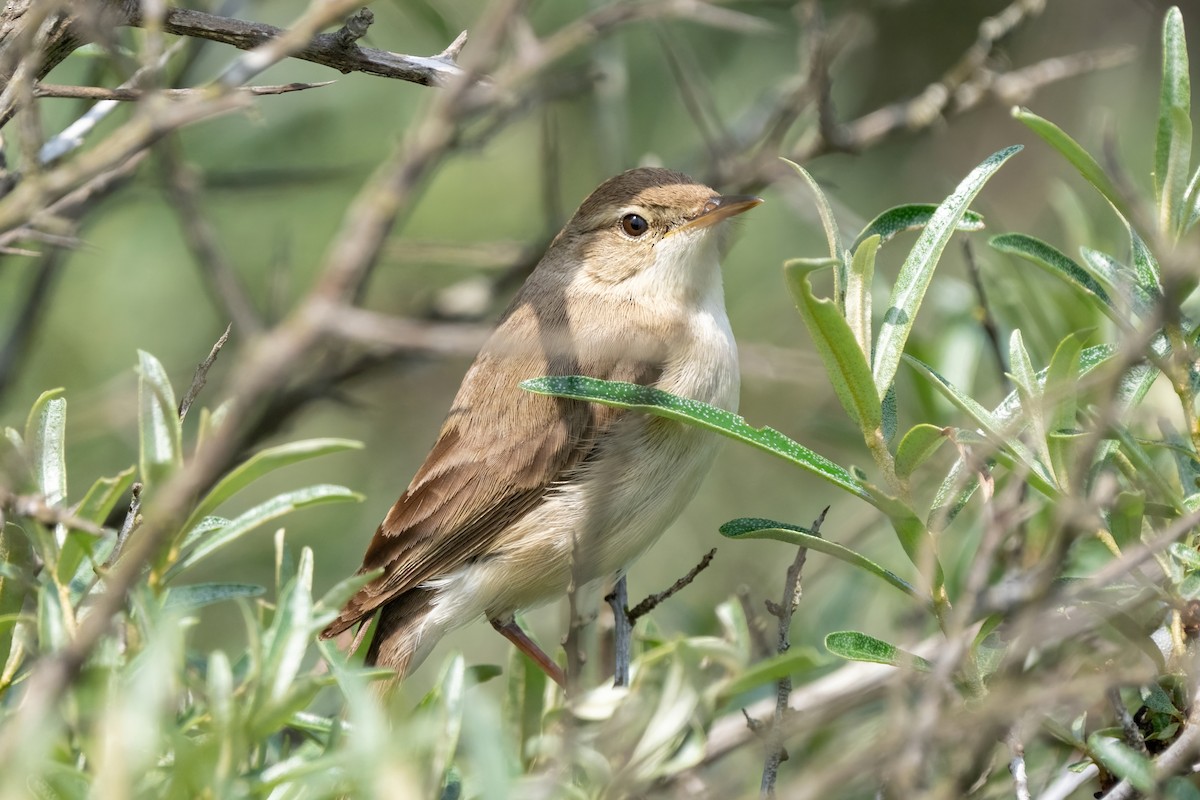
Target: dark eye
x=633 y=225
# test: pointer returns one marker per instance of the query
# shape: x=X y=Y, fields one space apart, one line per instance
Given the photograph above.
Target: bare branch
x=653 y=601
x=201 y=376
x=35 y=507
x=788 y=601
x=133 y=95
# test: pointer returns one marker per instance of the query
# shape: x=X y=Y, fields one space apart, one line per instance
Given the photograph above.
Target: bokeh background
x=277 y=181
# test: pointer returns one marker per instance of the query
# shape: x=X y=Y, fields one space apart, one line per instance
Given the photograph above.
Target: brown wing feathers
x=456 y=506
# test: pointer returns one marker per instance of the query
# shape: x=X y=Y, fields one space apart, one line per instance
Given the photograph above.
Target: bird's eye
x=633 y=225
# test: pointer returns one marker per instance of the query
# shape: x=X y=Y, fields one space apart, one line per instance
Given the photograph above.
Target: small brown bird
x=522 y=493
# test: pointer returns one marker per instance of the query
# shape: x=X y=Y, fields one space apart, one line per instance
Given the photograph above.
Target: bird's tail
x=404 y=635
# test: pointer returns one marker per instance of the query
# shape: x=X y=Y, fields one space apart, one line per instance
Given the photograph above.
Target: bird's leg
x=511 y=631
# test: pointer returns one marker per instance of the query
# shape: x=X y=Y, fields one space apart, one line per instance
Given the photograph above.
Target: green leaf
x=832 y=238
x=286 y=640
x=917 y=446
x=262 y=463
x=858 y=646
x=159 y=430
x=911 y=217
x=45 y=434
x=1173 y=142
x=769 y=670
x=1029 y=388
x=51 y=621
x=1059 y=390
x=1056 y=263
x=992 y=426
x=16 y=583
x=1076 y=155
x=1119 y=279
x=198 y=595
x=1192 y=206
x=952 y=497
x=1123 y=761
x=917 y=270
x=858 y=293
x=1187 y=556
x=261 y=514
x=701 y=415
x=1145 y=266
x=752 y=528
x=916 y=539
x=828 y=222
x=845 y=363
x=104 y=495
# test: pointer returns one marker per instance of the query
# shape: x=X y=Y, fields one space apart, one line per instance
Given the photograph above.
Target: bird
x=523 y=495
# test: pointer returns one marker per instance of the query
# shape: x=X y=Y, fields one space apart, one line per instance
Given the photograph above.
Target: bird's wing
x=499 y=450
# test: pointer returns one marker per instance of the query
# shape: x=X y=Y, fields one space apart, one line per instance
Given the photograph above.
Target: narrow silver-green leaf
x=845 y=363
x=858 y=646
x=198 y=595
x=991 y=426
x=917 y=446
x=1059 y=393
x=1055 y=262
x=828 y=221
x=858 y=293
x=910 y=217
x=261 y=514
x=1145 y=266
x=291 y=630
x=16 y=583
x=769 y=670
x=1025 y=380
x=1120 y=280
x=917 y=270
x=1079 y=158
x=702 y=415
x=1192 y=204
x=261 y=463
x=1173 y=141
x=159 y=430
x=752 y=528
x=45 y=436
x=1123 y=761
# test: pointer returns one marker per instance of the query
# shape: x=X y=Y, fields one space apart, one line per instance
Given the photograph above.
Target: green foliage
x=1027 y=543
x=1064 y=461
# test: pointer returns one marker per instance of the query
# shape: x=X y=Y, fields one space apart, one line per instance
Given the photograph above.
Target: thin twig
x=986 y=320
x=788 y=601
x=1016 y=767
x=133 y=518
x=1133 y=734
x=201 y=375
x=220 y=277
x=132 y=95
x=35 y=507
x=355 y=28
x=650 y=603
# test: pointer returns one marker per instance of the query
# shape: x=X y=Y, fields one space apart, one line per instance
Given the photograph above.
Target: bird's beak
x=719 y=208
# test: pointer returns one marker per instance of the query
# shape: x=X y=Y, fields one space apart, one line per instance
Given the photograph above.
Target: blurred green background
x=279 y=178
